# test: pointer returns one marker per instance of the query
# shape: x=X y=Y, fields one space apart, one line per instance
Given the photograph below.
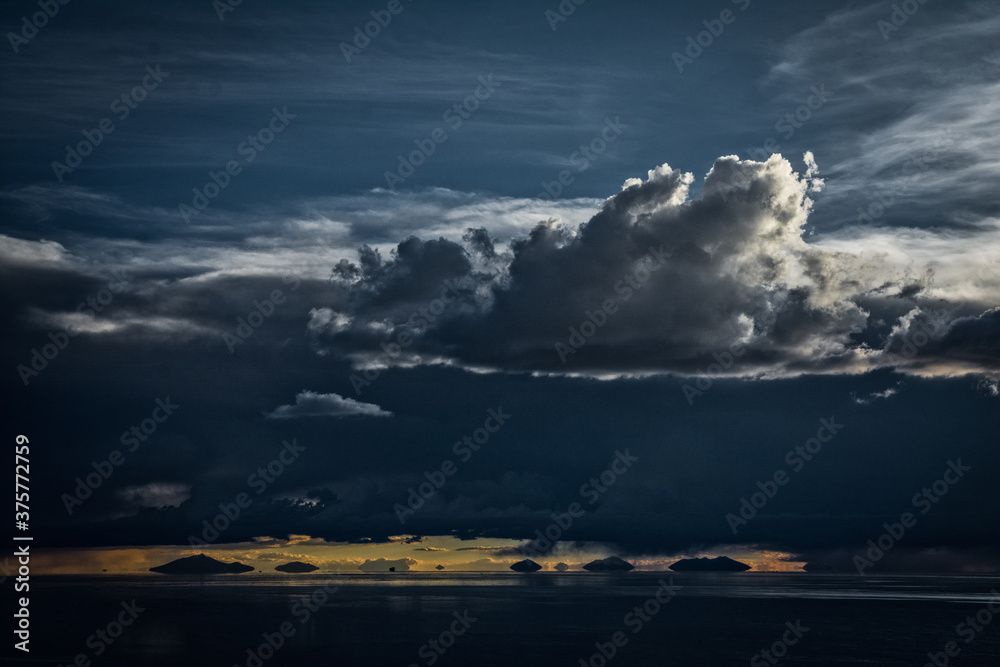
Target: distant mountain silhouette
x=526 y=565
x=561 y=567
x=296 y=567
x=439 y=567
x=720 y=564
x=609 y=564
x=200 y=564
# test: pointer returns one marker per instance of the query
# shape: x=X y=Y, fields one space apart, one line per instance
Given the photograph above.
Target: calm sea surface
x=543 y=619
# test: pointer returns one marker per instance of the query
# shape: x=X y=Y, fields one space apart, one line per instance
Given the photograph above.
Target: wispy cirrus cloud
x=909 y=127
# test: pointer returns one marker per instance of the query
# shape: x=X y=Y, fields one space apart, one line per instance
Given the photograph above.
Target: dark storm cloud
x=696 y=462
x=664 y=281
x=735 y=256
x=688 y=479
x=825 y=326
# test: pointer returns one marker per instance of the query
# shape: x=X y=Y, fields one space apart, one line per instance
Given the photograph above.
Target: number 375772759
x=21 y=471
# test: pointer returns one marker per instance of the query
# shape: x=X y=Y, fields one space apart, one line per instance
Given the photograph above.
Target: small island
x=526 y=565
x=296 y=567
x=720 y=564
x=561 y=567
x=201 y=564
x=609 y=564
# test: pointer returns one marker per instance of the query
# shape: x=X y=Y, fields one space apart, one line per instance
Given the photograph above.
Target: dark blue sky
x=354 y=119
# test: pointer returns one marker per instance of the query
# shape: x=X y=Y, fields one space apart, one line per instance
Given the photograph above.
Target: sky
x=664 y=279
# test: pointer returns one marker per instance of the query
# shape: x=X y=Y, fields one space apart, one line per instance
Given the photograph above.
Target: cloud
x=876 y=395
x=933 y=158
x=15 y=252
x=273 y=542
x=156 y=494
x=657 y=282
x=310 y=234
x=312 y=404
x=283 y=557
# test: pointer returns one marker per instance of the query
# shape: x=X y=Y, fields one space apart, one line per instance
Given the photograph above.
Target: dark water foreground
x=483 y=620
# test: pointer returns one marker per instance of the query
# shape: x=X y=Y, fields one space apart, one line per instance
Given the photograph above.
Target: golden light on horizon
x=484 y=555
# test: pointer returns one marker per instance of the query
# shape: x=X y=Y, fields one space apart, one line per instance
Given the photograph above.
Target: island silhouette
x=609 y=564
x=720 y=564
x=296 y=567
x=526 y=565
x=201 y=564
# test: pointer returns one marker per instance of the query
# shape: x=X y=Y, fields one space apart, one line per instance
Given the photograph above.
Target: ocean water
x=487 y=619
